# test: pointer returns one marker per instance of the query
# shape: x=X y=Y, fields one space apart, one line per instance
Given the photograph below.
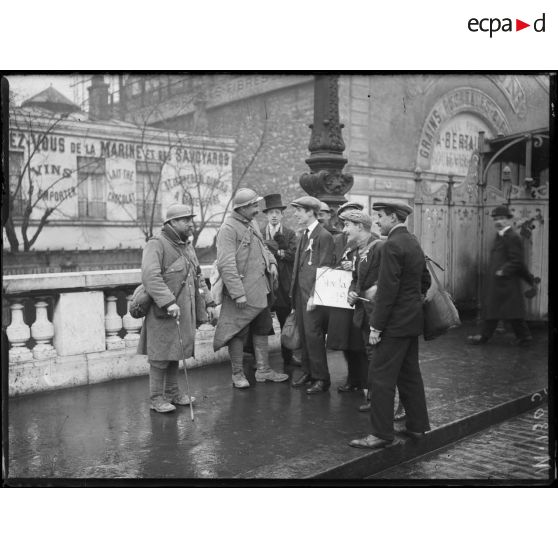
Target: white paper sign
x=332 y=287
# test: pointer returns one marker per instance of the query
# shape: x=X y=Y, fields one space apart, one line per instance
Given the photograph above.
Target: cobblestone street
x=514 y=449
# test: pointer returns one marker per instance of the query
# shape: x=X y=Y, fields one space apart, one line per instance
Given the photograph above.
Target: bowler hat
x=273 y=201
x=178 y=211
x=401 y=209
x=356 y=216
x=502 y=211
x=307 y=202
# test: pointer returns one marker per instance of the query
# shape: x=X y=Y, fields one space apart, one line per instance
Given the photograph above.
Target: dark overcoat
x=244 y=263
x=342 y=334
x=365 y=275
x=318 y=253
x=503 y=295
x=402 y=279
x=284 y=239
x=166 y=262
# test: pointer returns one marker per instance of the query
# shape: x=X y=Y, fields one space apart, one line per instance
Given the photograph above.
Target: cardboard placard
x=332 y=287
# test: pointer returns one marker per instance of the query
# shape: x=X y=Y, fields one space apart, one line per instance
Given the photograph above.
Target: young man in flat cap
x=343 y=335
x=315 y=249
x=506 y=269
x=281 y=242
x=396 y=321
x=325 y=216
x=249 y=272
x=169 y=269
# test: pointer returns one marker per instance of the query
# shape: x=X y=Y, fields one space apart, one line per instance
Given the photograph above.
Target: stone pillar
x=326 y=180
x=18 y=334
x=113 y=324
x=131 y=325
x=42 y=332
x=79 y=323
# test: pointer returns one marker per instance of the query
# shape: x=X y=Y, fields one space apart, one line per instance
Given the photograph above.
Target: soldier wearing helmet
x=249 y=273
x=170 y=274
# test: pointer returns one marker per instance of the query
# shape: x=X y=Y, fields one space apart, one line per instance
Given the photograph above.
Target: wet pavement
x=271 y=431
x=517 y=448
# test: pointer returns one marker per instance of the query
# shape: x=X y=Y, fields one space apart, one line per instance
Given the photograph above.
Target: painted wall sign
x=457 y=139
x=460 y=100
x=199 y=175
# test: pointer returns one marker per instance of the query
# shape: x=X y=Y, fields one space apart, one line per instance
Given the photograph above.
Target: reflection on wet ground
x=107 y=430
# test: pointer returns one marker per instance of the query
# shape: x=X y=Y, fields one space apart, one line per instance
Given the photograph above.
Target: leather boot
x=156 y=388
x=236 y=354
x=264 y=373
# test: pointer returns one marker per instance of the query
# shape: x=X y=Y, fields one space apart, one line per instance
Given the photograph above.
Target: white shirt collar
x=501 y=233
x=312 y=227
x=399 y=225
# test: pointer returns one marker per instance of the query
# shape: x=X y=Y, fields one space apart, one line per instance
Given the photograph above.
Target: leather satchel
x=290 y=334
x=439 y=311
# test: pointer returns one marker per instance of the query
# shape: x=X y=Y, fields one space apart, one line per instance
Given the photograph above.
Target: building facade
x=105 y=183
x=442 y=143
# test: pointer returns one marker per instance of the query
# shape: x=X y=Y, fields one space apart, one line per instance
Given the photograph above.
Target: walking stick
x=185 y=369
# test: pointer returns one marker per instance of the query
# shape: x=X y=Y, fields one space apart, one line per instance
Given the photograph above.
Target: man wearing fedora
x=169 y=269
x=249 y=272
x=396 y=322
x=315 y=249
x=281 y=242
x=506 y=269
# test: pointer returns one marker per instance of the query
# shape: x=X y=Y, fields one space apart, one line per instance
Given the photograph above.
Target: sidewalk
x=271 y=431
x=517 y=448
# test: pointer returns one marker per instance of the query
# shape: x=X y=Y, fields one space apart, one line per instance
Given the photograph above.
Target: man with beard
x=506 y=269
x=315 y=249
x=169 y=273
x=249 y=273
x=281 y=242
x=396 y=321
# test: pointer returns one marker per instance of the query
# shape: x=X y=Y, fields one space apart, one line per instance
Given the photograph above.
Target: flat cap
x=324 y=207
x=400 y=208
x=357 y=216
x=177 y=211
x=349 y=205
x=308 y=202
x=502 y=211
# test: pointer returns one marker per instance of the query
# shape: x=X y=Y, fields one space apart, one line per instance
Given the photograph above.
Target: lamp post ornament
x=326 y=180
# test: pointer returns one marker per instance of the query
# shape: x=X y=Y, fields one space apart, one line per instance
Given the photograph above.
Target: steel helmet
x=177 y=211
x=245 y=196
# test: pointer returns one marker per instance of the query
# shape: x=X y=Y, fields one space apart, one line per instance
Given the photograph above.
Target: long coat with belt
x=503 y=297
x=244 y=262
x=402 y=279
x=166 y=262
x=284 y=239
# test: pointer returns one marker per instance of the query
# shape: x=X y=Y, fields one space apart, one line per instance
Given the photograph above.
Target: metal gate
x=453 y=218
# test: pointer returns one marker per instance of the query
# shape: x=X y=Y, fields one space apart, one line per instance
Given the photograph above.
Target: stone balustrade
x=70 y=329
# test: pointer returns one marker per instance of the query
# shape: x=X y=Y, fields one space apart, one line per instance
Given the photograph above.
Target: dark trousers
x=395 y=363
x=313 y=328
x=282 y=313
x=357 y=366
x=519 y=327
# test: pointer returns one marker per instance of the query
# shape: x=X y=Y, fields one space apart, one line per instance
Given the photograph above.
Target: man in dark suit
x=281 y=242
x=315 y=249
x=506 y=269
x=396 y=322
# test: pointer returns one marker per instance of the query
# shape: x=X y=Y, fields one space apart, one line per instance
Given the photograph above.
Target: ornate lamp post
x=326 y=180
